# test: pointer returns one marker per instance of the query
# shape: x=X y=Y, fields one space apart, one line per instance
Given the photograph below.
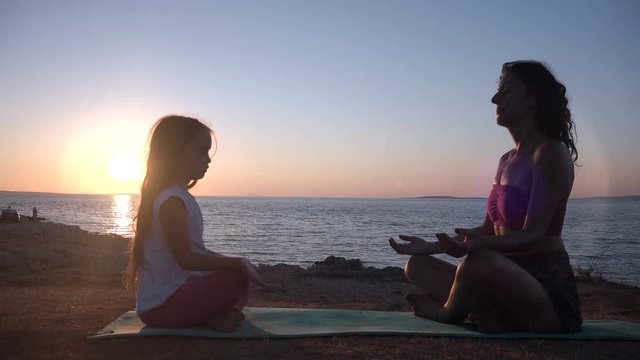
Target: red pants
x=199 y=300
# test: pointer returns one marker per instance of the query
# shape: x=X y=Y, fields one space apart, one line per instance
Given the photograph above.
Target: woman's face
x=513 y=103
x=195 y=160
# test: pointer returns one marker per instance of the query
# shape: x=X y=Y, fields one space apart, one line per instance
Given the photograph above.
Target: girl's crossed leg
x=213 y=300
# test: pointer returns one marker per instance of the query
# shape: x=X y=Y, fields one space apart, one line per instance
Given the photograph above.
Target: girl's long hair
x=552 y=116
x=168 y=136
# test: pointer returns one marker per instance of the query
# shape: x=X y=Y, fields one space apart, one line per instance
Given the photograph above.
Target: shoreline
x=34 y=247
x=59 y=283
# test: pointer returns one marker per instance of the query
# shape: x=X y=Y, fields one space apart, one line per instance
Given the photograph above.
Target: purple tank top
x=507 y=206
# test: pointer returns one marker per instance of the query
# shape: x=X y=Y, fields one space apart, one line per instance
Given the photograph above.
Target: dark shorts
x=553 y=272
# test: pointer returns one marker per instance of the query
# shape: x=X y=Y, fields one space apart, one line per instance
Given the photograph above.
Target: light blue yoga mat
x=296 y=323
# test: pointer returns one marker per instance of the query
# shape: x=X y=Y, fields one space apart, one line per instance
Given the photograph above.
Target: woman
x=516 y=273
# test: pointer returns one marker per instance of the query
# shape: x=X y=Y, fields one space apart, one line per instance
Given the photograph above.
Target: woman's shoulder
x=551 y=149
x=554 y=157
x=507 y=155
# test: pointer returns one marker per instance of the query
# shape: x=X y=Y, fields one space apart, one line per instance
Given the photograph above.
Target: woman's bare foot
x=487 y=321
x=239 y=315
x=226 y=322
x=425 y=306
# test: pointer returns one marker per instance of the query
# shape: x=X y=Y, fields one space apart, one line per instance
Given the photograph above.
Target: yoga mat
x=297 y=323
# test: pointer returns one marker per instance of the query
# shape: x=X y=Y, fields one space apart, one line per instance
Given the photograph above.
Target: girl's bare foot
x=425 y=306
x=226 y=322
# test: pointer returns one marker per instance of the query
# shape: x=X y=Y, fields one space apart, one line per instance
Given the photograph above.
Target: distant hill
x=625 y=197
x=446 y=197
x=7 y=192
x=28 y=193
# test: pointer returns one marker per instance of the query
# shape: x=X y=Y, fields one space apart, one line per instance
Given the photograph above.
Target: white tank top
x=159 y=274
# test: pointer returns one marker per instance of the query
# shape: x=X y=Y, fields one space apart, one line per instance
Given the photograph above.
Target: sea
x=600 y=234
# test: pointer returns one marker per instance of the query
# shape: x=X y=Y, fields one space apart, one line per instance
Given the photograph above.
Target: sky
x=308 y=98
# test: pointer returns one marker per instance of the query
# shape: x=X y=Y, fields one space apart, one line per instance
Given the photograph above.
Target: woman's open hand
x=414 y=246
x=460 y=245
x=453 y=246
x=467 y=232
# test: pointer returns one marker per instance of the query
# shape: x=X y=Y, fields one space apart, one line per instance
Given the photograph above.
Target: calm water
x=598 y=232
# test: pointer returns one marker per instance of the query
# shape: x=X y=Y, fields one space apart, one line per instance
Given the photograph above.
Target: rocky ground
x=59 y=283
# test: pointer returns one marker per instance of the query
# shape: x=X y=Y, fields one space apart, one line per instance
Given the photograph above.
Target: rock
x=334 y=266
x=341 y=263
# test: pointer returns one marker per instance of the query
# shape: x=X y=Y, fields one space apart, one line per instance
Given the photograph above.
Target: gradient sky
x=308 y=98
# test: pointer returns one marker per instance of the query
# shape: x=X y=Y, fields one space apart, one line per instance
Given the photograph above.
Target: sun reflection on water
x=122 y=209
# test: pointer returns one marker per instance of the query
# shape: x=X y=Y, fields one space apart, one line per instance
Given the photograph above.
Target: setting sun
x=123 y=168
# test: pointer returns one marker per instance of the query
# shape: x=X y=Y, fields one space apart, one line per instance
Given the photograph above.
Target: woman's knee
x=415 y=267
x=478 y=264
x=420 y=267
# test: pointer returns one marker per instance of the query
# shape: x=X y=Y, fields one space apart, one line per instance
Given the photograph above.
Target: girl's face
x=513 y=103
x=195 y=156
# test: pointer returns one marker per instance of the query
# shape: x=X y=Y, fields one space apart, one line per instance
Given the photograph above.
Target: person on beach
x=179 y=282
x=515 y=274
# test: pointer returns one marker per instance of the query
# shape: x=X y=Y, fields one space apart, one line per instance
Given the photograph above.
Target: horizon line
x=313 y=197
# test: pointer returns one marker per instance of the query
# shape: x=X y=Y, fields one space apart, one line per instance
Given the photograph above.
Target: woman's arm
x=486 y=229
x=461 y=244
x=418 y=246
x=551 y=184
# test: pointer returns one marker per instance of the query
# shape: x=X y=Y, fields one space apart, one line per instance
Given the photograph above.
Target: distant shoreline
x=623 y=197
x=447 y=197
x=434 y=197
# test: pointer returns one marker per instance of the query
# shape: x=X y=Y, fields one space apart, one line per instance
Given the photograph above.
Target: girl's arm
x=173 y=219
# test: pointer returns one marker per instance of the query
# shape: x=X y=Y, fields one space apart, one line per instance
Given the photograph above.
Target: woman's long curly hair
x=168 y=136
x=552 y=113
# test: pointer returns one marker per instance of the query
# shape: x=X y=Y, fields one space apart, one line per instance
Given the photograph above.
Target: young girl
x=179 y=282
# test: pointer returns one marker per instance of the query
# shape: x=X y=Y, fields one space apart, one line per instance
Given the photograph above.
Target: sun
x=125 y=168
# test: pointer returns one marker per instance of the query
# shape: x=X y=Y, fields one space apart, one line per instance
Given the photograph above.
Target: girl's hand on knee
x=251 y=272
